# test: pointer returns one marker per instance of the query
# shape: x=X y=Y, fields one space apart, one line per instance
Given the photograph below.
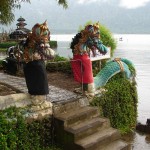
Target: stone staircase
x=77 y=126
x=81 y=128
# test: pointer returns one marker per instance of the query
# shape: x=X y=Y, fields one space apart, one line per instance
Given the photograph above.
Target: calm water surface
x=137 y=49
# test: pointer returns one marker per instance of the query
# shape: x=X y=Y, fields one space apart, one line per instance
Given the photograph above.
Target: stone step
x=100 y=138
x=71 y=105
x=116 y=145
x=76 y=116
x=88 y=127
x=17 y=100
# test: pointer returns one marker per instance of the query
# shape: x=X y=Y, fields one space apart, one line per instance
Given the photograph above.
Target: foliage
x=59 y=58
x=53 y=44
x=7 y=44
x=1 y=62
x=2 y=49
x=16 y=133
x=59 y=64
x=119 y=103
x=1 y=67
x=3 y=45
x=63 y=3
x=7 y=8
x=7 y=15
x=106 y=36
x=96 y=65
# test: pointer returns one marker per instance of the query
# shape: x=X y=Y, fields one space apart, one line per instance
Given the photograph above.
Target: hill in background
x=117 y=19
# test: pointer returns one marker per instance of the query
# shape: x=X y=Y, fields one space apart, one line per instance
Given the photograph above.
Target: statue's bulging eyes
x=46 y=45
x=45 y=33
x=37 y=31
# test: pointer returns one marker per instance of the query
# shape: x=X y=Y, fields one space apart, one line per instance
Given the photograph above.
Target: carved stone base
x=39 y=103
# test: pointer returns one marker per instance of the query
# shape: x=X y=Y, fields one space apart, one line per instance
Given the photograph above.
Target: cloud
x=132 y=4
x=128 y=4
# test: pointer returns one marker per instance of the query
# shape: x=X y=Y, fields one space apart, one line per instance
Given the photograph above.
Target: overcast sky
x=81 y=11
x=128 y=4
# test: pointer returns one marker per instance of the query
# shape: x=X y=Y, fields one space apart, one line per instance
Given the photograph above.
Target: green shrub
x=53 y=44
x=59 y=64
x=3 y=49
x=119 y=103
x=108 y=38
x=1 y=62
x=7 y=44
x=17 y=134
x=1 y=66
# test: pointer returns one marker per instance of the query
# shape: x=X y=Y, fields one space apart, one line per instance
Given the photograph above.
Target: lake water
x=136 y=48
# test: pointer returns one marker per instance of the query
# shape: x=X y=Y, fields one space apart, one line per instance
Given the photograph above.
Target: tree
x=63 y=2
x=7 y=7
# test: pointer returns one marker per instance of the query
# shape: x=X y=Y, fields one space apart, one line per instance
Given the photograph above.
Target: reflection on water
x=138 y=141
x=141 y=142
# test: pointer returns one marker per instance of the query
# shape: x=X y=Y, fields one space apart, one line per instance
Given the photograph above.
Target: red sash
x=82 y=68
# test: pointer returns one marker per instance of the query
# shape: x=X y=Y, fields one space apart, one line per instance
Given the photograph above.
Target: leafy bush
x=1 y=66
x=119 y=103
x=59 y=64
x=53 y=44
x=2 y=49
x=1 y=62
x=6 y=45
x=16 y=133
x=107 y=38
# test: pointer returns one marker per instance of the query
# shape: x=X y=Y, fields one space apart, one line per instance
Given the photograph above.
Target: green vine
x=59 y=64
x=119 y=103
